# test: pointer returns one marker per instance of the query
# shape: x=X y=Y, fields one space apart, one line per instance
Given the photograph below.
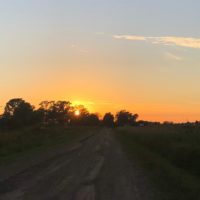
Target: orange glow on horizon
x=89 y=105
x=146 y=111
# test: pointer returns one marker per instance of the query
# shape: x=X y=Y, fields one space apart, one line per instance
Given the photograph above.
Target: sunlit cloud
x=130 y=37
x=172 y=56
x=188 y=42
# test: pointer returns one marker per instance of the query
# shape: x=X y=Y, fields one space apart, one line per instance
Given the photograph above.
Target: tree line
x=19 y=113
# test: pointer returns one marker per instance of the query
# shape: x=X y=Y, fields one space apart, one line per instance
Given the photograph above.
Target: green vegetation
x=27 y=141
x=169 y=154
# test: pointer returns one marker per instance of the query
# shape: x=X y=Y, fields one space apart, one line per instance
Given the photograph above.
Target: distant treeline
x=19 y=113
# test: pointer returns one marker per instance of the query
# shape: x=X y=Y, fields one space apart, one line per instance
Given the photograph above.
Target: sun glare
x=77 y=112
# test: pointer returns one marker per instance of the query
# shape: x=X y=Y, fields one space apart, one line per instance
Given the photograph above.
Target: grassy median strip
x=170 y=155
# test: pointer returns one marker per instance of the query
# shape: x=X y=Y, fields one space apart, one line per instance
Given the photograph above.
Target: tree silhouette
x=108 y=120
x=126 y=118
x=11 y=106
x=55 y=112
x=17 y=112
x=83 y=115
x=92 y=120
x=133 y=119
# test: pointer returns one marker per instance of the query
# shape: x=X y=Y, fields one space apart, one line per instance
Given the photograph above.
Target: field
x=169 y=154
x=33 y=140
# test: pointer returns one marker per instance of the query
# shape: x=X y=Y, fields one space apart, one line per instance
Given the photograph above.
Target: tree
x=126 y=118
x=92 y=120
x=55 y=112
x=108 y=120
x=60 y=111
x=24 y=113
x=17 y=113
x=11 y=106
x=133 y=119
x=2 y=125
x=81 y=119
x=84 y=117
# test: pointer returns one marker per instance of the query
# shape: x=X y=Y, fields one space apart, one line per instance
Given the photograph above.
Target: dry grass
x=32 y=139
x=170 y=155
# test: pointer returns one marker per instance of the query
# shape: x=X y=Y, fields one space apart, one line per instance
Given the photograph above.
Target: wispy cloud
x=172 y=56
x=79 y=49
x=168 y=40
x=130 y=37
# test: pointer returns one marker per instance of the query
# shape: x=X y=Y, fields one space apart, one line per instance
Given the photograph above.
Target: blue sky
x=132 y=17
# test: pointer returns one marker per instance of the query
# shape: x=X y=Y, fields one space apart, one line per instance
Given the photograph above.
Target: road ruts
x=96 y=170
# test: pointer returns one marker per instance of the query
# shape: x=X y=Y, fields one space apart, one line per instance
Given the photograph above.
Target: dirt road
x=96 y=169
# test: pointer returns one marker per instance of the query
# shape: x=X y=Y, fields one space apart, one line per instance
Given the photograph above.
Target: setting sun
x=77 y=112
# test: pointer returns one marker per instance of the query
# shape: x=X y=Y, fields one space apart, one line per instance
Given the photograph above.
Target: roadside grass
x=33 y=140
x=170 y=155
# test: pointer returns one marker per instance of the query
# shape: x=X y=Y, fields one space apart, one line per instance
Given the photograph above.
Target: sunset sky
x=139 y=55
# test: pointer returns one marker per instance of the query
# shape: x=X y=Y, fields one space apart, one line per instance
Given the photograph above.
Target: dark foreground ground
x=93 y=167
x=169 y=155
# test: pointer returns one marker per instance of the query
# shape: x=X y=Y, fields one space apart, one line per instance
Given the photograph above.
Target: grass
x=33 y=140
x=169 y=154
